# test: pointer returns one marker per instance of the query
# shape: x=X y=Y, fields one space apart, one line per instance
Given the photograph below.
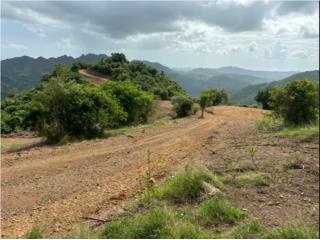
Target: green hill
x=247 y=94
x=20 y=73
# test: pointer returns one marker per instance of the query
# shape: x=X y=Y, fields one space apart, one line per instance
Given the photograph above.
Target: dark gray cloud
x=122 y=19
x=303 y=7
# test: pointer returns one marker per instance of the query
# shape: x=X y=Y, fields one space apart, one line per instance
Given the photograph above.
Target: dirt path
x=93 y=77
x=56 y=187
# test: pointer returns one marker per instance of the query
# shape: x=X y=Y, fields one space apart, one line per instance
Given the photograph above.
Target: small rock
x=281 y=196
x=210 y=190
x=244 y=209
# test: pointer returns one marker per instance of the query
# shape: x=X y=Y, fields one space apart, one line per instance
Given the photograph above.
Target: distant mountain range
x=21 y=73
x=25 y=72
x=247 y=94
x=230 y=78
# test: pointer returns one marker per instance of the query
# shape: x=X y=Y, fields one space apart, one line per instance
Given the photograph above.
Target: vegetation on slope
x=247 y=94
x=66 y=106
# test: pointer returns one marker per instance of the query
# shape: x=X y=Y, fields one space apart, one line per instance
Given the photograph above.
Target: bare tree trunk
x=202 y=113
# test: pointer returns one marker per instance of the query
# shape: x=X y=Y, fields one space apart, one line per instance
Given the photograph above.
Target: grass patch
x=187 y=186
x=293 y=164
x=253 y=179
x=293 y=232
x=157 y=223
x=219 y=210
x=270 y=122
x=35 y=233
x=250 y=179
x=251 y=230
x=305 y=134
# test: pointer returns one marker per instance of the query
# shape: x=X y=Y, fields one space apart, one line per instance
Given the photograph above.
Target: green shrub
x=187 y=186
x=219 y=210
x=137 y=103
x=35 y=233
x=183 y=106
x=297 y=103
x=292 y=232
x=264 y=97
x=206 y=99
x=76 y=110
x=251 y=230
x=157 y=223
x=270 y=122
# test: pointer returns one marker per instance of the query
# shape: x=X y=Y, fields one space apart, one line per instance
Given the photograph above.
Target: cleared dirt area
x=93 y=76
x=58 y=187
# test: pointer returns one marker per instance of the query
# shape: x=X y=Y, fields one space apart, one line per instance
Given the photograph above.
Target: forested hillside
x=21 y=73
x=247 y=94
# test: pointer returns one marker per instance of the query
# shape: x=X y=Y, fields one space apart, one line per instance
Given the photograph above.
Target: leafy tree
x=137 y=103
x=183 y=106
x=297 y=103
x=221 y=96
x=76 y=110
x=206 y=99
x=264 y=97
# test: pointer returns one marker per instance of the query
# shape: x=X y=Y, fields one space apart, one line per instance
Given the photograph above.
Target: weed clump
x=253 y=179
x=35 y=233
x=249 y=230
x=157 y=223
x=218 y=210
x=293 y=232
x=187 y=186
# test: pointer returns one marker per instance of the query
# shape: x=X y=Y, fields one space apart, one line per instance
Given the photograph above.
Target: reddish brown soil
x=93 y=76
x=57 y=187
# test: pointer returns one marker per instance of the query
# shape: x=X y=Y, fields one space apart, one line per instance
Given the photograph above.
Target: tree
x=264 y=97
x=206 y=99
x=297 y=103
x=182 y=105
x=135 y=102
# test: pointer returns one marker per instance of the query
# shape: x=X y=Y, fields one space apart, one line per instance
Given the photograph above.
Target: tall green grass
x=219 y=210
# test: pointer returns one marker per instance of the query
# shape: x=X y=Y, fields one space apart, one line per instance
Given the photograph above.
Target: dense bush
x=183 y=106
x=264 y=97
x=75 y=110
x=147 y=78
x=297 y=103
x=137 y=103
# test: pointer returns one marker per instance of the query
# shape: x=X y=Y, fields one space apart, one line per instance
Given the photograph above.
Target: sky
x=266 y=35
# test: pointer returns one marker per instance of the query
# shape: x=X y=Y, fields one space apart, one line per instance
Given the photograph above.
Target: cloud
x=309 y=32
x=302 y=7
x=277 y=51
x=121 y=19
x=64 y=43
x=300 y=54
x=15 y=46
x=253 y=46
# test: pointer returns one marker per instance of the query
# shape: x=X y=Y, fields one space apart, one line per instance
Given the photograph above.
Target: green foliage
x=264 y=97
x=292 y=232
x=183 y=106
x=219 y=210
x=206 y=99
x=270 y=122
x=17 y=112
x=35 y=233
x=186 y=186
x=249 y=230
x=76 y=110
x=297 y=103
x=190 y=231
x=137 y=103
x=306 y=133
x=147 y=78
x=157 y=223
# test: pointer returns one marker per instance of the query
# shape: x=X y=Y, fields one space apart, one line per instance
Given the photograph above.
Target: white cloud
x=15 y=46
x=64 y=43
x=253 y=46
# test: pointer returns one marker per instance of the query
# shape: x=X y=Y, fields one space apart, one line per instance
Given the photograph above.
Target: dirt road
x=93 y=77
x=56 y=187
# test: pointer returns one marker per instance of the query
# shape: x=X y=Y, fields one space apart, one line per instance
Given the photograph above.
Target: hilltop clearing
x=56 y=187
